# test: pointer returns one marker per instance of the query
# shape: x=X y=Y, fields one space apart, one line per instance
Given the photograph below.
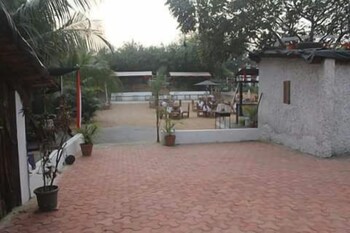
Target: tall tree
x=95 y=72
x=211 y=21
x=181 y=56
x=55 y=27
x=228 y=27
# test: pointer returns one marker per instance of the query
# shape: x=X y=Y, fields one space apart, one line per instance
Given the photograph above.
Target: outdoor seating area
x=206 y=107
x=175 y=109
x=218 y=109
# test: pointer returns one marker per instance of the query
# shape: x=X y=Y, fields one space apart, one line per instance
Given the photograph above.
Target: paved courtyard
x=234 y=187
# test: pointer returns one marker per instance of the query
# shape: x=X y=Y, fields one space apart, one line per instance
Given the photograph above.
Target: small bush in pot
x=47 y=194
x=168 y=130
x=53 y=138
x=89 y=132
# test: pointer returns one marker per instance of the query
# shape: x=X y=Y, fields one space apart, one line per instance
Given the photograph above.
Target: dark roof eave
x=62 y=71
x=19 y=47
x=248 y=71
x=309 y=55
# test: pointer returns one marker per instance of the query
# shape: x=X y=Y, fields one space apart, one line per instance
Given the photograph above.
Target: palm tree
x=95 y=71
x=156 y=85
x=98 y=74
x=55 y=28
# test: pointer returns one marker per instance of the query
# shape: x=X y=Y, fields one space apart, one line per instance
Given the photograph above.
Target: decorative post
x=78 y=99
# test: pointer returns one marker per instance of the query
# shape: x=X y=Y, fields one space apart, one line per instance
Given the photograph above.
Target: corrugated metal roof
x=189 y=74
x=132 y=73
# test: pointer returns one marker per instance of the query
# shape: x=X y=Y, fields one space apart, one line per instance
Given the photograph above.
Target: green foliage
x=13 y=5
x=228 y=28
x=182 y=56
x=156 y=84
x=252 y=113
x=95 y=72
x=51 y=135
x=89 y=132
x=249 y=111
x=215 y=27
x=55 y=28
x=169 y=124
x=96 y=80
x=90 y=102
x=158 y=81
x=188 y=54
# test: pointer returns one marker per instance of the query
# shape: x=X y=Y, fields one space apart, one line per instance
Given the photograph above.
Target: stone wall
x=341 y=118
x=303 y=124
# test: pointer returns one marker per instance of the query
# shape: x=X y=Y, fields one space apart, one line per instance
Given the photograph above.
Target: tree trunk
x=157 y=113
x=106 y=92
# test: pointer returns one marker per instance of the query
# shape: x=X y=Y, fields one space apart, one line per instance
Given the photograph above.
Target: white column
x=22 y=150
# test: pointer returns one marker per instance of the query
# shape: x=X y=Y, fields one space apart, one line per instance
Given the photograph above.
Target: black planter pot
x=47 y=197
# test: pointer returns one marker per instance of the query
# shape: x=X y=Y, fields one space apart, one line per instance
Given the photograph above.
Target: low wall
x=72 y=148
x=131 y=96
x=146 y=96
x=187 y=95
x=216 y=136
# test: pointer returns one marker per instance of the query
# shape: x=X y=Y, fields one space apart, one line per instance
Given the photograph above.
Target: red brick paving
x=238 y=187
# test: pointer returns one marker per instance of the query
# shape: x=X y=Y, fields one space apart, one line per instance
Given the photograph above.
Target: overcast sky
x=147 y=22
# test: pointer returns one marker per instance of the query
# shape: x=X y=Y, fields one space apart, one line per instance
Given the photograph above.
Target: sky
x=147 y=22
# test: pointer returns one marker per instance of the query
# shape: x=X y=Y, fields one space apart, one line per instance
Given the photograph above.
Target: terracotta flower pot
x=86 y=149
x=169 y=140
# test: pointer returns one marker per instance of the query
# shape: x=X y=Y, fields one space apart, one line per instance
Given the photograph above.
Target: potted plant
x=47 y=194
x=253 y=117
x=89 y=132
x=168 y=130
x=51 y=155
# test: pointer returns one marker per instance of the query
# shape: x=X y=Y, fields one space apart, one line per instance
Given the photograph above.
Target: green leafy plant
x=252 y=113
x=156 y=85
x=90 y=103
x=89 y=132
x=169 y=124
x=52 y=134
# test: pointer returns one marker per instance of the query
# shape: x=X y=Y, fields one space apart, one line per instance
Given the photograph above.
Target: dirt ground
x=139 y=114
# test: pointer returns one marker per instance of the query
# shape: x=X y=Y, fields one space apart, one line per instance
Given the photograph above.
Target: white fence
x=146 y=96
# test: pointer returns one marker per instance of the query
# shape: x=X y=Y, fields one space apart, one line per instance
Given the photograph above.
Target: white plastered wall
x=22 y=150
x=304 y=124
x=341 y=117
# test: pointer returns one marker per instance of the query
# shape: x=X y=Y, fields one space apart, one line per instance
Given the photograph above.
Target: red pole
x=78 y=99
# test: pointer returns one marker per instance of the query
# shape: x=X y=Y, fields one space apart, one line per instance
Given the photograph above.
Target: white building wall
x=22 y=150
x=341 y=117
x=299 y=125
